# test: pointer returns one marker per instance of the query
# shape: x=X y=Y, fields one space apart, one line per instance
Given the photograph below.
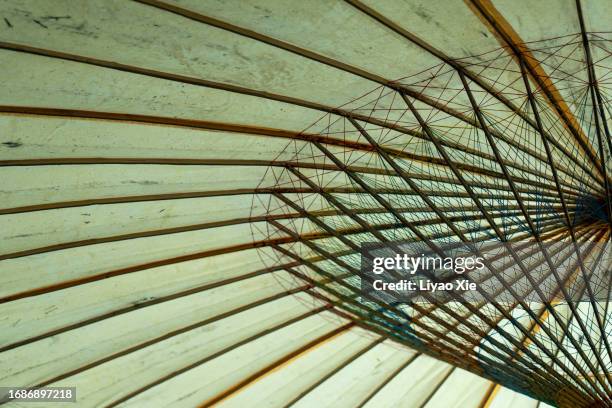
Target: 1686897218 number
x=46 y=394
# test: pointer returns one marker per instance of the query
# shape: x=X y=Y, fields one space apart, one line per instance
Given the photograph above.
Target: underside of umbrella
x=187 y=188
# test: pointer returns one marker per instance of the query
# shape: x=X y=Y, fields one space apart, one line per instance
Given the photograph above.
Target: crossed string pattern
x=507 y=146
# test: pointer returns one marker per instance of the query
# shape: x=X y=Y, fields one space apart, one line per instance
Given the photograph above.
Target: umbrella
x=187 y=187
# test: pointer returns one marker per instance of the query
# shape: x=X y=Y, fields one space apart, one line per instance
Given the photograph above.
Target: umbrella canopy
x=186 y=186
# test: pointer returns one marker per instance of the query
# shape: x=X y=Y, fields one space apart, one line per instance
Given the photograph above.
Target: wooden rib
x=442 y=322
x=352 y=69
x=234 y=221
x=164 y=336
x=472 y=76
x=534 y=328
x=377 y=234
x=255 y=130
x=437 y=387
x=204 y=254
x=281 y=98
x=193 y=365
x=503 y=31
x=135 y=268
x=132 y=199
x=217 y=193
x=487 y=400
x=278 y=364
x=147 y=303
x=387 y=380
x=334 y=371
x=300 y=164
